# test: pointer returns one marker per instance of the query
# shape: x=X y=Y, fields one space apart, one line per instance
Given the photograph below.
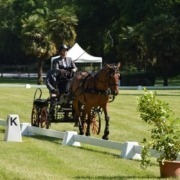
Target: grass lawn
x=40 y=157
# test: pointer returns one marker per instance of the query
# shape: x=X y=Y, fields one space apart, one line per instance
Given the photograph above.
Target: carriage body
x=58 y=110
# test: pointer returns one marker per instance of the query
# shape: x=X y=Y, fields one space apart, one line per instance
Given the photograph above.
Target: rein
x=107 y=91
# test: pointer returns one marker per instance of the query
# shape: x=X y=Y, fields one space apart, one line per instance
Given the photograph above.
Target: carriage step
x=66 y=109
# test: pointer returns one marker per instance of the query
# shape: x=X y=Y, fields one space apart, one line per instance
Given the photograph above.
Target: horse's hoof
x=81 y=133
x=87 y=134
x=105 y=138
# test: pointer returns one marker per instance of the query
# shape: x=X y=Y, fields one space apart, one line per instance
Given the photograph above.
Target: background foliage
x=142 y=34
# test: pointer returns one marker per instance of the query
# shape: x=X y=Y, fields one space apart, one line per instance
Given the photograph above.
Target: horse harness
x=95 y=90
x=83 y=85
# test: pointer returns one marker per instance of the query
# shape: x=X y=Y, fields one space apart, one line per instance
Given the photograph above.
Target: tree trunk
x=40 y=79
x=166 y=68
x=165 y=77
x=165 y=83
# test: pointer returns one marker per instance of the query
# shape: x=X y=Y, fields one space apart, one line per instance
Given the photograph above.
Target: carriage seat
x=41 y=103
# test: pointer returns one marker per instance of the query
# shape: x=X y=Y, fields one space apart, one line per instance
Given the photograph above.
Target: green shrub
x=165 y=134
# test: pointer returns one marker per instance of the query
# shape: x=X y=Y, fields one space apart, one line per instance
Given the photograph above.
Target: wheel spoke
x=44 y=118
x=34 y=117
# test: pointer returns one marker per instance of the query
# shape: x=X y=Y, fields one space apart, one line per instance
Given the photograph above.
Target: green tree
x=153 y=39
x=61 y=25
x=161 y=37
x=131 y=49
x=96 y=20
x=9 y=42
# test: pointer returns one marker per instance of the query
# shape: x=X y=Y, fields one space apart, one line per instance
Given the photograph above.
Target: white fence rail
x=128 y=150
x=21 y=75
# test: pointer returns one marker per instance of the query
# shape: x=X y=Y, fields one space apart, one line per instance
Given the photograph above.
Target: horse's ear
x=118 y=65
x=107 y=65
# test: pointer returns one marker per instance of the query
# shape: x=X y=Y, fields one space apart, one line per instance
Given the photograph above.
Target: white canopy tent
x=79 y=55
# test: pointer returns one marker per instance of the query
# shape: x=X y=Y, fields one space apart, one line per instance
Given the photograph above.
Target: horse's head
x=113 y=75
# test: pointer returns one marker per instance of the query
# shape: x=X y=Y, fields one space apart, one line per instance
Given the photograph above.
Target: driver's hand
x=55 y=91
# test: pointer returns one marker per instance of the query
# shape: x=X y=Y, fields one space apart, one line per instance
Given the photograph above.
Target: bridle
x=106 y=82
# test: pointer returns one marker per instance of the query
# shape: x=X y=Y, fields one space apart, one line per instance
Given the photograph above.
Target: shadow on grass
x=116 y=177
x=2 y=130
x=59 y=141
x=92 y=149
x=134 y=94
x=46 y=138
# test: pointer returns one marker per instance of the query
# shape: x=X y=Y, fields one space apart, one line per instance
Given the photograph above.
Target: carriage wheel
x=44 y=122
x=96 y=123
x=34 y=117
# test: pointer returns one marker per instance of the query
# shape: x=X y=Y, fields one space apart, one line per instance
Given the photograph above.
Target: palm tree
x=36 y=40
x=62 y=24
x=43 y=32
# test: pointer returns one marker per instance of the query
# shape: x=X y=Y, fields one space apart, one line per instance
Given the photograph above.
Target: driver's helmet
x=63 y=46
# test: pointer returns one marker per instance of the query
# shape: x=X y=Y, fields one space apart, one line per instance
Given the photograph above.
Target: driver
x=66 y=68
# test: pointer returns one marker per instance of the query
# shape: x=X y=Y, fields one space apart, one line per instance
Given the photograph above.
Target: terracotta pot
x=170 y=169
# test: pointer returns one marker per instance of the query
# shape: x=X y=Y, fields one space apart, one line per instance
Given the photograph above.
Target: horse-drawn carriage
x=58 y=110
x=92 y=94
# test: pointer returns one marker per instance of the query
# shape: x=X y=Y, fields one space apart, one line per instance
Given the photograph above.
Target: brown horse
x=94 y=91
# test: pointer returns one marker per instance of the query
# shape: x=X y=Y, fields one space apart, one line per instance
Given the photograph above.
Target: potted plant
x=165 y=133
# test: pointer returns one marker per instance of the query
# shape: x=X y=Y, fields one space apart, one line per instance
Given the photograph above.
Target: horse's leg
x=107 y=118
x=88 y=125
x=81 y=130
x=88 y=113
x=78 y=115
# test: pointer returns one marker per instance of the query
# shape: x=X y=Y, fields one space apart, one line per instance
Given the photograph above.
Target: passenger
x=51 y=83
